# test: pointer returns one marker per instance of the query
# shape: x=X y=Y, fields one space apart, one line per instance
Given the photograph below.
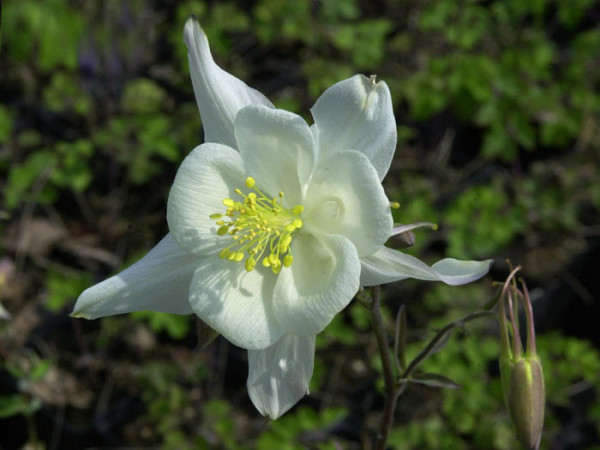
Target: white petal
x=209 y=174
x=389 y=265
x=454 y=272
x=278 y=376
x=157 y=282
x=346 y=198
x=236 y=303
x=320 y=283
x=219 y=95
x=277 y=149
x=357 y=114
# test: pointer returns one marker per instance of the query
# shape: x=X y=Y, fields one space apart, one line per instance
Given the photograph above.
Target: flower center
x=260 y=227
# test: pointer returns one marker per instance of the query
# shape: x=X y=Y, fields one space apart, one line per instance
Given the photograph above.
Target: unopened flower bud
x=521 y=372
x=525 y=399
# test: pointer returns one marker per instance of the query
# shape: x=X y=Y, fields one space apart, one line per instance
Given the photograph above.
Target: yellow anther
x=276 y=268
x=284 y=243
x=394 y=205
x=260 y=227
x=250 y=264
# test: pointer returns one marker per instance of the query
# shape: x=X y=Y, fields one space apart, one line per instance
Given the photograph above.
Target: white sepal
x=157 y=282
x=278 y=376
x=219 y=94
x=389 y=265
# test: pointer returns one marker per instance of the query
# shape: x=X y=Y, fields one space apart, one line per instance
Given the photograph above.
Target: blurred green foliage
x=177 y=327
x=49 y=32
x=47 y=170
x=496 y=67
x=478 y=213
x=63 y=288
x=29 y=369
x=286 y=432
x=100 y=111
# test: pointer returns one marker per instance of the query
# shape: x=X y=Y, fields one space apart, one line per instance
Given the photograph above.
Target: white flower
x=274 y=225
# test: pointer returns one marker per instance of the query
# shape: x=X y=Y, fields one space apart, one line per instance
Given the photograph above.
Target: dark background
x=497 y=105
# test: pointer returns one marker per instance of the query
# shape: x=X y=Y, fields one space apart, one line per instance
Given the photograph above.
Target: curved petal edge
x=389 y=265
x=219 y=94
x=278 y=376
x=157 y=282
x=357 y=114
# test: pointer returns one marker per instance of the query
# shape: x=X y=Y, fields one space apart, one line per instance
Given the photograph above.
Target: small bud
x=525 y=399
x=403 y=233
x=521 y=372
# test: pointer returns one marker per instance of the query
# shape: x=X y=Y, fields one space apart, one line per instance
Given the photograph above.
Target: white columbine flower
x=274 y=225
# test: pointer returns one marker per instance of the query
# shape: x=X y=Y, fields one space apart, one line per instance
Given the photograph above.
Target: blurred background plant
x=498 y=106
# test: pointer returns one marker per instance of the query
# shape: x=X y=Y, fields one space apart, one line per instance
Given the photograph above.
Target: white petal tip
x=191 y=21
x=454 y=272
x=191 y=28
x=78 y=315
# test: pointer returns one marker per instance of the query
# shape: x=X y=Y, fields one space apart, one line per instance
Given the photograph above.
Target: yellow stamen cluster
x=260 y=227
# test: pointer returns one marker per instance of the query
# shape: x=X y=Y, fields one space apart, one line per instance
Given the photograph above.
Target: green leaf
x=142 y=96
x=176 y=326
x=64 y=288
x=400 y=339
x=6 y=124
x=433 y=380
x=11 y=405
x=40 y=369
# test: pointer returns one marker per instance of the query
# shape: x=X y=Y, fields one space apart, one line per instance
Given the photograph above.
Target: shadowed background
x=497 y=105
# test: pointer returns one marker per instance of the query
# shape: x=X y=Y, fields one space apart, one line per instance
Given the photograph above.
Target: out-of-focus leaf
x=433 y=380
x=11 y=405
x=400 y=339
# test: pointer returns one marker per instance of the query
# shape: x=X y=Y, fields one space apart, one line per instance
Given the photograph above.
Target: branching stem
x=391 y=390
x=395 y=383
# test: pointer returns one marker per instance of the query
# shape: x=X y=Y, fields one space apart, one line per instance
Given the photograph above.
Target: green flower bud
x=521 y=372
x=525 y=399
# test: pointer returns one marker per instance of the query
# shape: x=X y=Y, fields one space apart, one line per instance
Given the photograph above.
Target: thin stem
x=395 y=386
x=32 y=430
x=428 y=350
x=391 y=394
x=504 y=294
x=512 y=313
x=400 y=340
x=531 y=350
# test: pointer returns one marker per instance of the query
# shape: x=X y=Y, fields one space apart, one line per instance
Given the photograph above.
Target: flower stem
x=391 y=393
